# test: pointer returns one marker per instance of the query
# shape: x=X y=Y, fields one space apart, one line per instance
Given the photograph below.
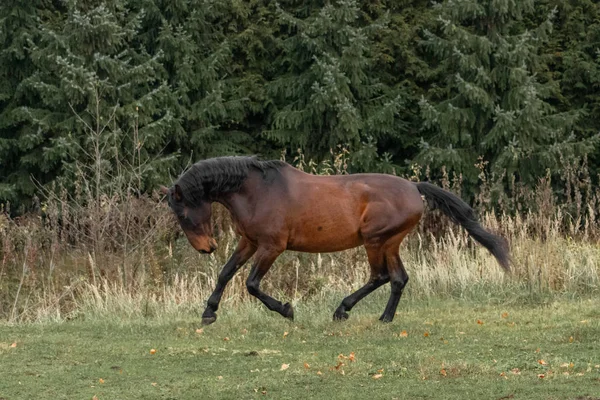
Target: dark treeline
x=103 y=87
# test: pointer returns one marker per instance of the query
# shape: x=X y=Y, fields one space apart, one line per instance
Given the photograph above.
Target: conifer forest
x=146 y=87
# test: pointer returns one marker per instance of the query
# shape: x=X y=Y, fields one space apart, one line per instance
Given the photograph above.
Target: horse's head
x=194 y=220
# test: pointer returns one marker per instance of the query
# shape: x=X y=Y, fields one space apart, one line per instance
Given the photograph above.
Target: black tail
x=462 y=214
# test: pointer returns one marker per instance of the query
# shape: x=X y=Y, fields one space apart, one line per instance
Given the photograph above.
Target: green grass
x=459 y=358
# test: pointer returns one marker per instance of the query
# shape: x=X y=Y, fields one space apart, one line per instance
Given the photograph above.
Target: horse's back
x=333 y=213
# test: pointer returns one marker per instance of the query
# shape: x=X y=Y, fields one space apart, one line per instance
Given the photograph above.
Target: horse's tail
x=462 y=214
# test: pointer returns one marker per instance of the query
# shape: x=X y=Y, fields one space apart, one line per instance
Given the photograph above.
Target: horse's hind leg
x=379 y=277
x=398 y=280
x=263 y=262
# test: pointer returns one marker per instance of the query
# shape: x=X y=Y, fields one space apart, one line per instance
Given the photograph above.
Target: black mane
x=207 y=179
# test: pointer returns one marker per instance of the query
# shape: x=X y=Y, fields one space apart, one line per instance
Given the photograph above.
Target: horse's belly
x=327 y=219
x=322 y=240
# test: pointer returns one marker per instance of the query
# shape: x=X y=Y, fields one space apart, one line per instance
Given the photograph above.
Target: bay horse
x=276 y=207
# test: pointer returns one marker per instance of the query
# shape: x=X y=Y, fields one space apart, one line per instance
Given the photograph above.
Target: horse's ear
x=177 y=193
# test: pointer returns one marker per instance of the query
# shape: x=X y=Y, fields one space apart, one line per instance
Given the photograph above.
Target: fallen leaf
x=284 y=367
x=306 y=366
x=516 y=371
x=101 y=380
x=244 y=331
x=403 y=334
x=504 y=315
x=564 y=365
x=13 y=345
x=580 y=374
x=319 y=373
x=95 y=397
x=537 y=350
x=339 y=365
x=264 y=392
x=571 y=365
x=200 y=331
x=153 y=383
x=585 y=321
x=380 y=370
x=502 y=374
x=226 y=339
x=541 y=376
x=152 y=351
x=571 y=339
x=219 y=377
x=351 y=357
x=377 y=376
x=285 y=334
x=426 y=334
x=479 y=322
x=542 y=362
x=443 y=372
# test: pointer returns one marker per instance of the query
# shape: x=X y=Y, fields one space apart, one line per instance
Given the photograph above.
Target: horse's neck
x=241 y=204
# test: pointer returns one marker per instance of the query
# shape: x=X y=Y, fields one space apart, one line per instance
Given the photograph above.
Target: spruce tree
x=575 y=55
x=214 y=53
x=491 y=100
x=99 y=97
x=18 y=27
x=326 y=90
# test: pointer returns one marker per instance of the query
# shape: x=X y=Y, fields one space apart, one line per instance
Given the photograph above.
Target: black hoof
x=209 y=320
x=385 y=318
x=340 y=316
x=288 y=311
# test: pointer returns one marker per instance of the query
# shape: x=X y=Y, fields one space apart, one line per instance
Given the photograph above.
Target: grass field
x=92 y=285
x=434 y=349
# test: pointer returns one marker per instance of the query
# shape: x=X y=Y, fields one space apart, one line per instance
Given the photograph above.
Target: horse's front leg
x=242 y=253
x=263 y=261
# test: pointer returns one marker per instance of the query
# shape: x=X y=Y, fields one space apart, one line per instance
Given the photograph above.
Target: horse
x=276 y=207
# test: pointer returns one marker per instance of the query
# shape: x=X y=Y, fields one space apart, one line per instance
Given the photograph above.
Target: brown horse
x=275 y=207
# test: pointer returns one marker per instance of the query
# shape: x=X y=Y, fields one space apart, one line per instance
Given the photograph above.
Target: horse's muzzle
x=213 y=247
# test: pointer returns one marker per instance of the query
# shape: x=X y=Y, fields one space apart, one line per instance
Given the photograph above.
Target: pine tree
x=491 y=101
x=326 y=90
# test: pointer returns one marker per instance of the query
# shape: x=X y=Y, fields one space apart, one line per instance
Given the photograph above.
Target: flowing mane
x=215 y=176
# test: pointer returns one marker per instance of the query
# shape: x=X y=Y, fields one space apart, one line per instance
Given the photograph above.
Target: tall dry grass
x=120 y=253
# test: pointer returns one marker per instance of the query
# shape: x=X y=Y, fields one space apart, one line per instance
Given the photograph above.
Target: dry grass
x=122 y=254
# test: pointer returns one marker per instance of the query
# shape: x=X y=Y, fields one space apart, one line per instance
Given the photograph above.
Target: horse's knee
x=252 y=286
x=399 y=283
